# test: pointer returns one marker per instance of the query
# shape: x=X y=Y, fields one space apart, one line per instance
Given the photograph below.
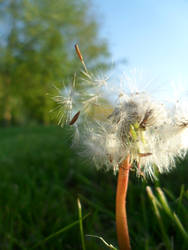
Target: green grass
x=41 y=178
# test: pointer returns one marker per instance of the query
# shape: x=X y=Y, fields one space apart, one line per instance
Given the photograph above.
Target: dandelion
x=142 y=134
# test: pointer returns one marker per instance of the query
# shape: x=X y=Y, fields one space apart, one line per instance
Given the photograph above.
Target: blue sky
x=151 y=34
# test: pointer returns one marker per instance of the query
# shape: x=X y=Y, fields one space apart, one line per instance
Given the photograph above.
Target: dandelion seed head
x=153 y=133
x=142 y=127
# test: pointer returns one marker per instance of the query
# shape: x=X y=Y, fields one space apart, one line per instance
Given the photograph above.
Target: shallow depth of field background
x=41 y=175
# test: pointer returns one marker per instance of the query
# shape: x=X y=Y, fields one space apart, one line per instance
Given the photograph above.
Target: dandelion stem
x=121 y=214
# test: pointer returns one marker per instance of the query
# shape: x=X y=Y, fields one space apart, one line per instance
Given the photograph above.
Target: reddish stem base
x=121 y=215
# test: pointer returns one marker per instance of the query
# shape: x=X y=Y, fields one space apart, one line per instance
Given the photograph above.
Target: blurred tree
x=37 y=51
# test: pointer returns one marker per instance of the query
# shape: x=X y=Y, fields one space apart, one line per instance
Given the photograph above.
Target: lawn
x=41 y=177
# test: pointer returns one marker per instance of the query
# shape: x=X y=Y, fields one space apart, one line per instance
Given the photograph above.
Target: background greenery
x=41 y=178
x=37 y=53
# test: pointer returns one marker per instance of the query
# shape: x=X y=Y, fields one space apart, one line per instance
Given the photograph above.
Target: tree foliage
x=37 y=52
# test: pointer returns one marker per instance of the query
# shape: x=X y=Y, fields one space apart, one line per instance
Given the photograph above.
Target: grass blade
x=101 y=238
x=163 y=201
x=182 y=191
x=64 y=229
x=155 y=203
x=170 y=213
x=180 y=226
x=81 y=224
